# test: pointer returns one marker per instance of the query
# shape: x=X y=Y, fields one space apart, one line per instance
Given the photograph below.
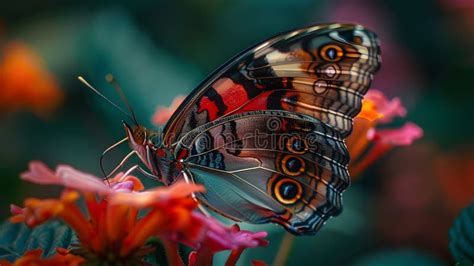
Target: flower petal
x=389 y=108
x=33 y=257
x=217 y=237
x=18 y=214
x=39 y=173
x=126 y=186
x=76 y=179
x=116 y=220
x=146 y=227
x=119 y=178
x=192 y=258
x=66 y=176
x=16 y=210
x=157 y=196
x=163 y=114
x=403 y=136
x=369 y=111
x=258 y=263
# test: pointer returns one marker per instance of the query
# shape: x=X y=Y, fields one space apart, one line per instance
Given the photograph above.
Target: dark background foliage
x=399 y=211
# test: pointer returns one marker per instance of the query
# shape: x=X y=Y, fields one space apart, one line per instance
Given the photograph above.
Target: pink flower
x=214 y=237
x=367 y=143
x=163 y=114
x=390 y=109
x=64 y=175
x=403 y=136
x=69 y=177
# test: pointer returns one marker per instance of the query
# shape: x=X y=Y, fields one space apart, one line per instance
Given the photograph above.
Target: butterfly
x=264 y=133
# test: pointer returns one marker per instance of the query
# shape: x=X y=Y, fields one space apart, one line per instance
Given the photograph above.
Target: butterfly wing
x=322 y=71
x=269 y=166
x=264 y=133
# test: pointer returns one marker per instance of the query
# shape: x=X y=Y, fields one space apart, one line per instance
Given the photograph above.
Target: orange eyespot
x=292 y=165
x=297 y=145
x=287 y=191
x=331 y=53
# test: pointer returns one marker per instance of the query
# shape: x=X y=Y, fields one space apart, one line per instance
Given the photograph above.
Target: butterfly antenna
x=81 y=79
x=110 y=79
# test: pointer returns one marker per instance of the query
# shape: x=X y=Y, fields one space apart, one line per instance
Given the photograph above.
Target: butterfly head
x=147 y=144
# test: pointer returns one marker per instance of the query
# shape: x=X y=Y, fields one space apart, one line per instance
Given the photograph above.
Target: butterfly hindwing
x=269 y=166
x=322 y=71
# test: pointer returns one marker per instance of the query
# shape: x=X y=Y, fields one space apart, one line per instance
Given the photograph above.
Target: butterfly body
x=265 y=132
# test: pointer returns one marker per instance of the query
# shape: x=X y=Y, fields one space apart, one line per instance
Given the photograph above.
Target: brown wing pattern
x=269 y=166
x=322 y=71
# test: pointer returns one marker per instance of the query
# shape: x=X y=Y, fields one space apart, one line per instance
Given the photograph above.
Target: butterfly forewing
x=322 y=71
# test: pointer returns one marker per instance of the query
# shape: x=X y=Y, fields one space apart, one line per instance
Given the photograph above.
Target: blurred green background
x=397 y=213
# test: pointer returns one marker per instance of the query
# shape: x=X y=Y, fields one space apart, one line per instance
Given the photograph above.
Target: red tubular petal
x=192 y=258
x=116 y=220
x=172 y=253
x=376 y=152
x=73 y=216
x=204 y=257
x=258 y=263
x=152 y=224
x=234 y=257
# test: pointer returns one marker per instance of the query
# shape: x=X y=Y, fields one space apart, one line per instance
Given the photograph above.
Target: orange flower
x=111 y=232
x=205 y=234
x=170 y=210
x=33 y=257
x=25 y=82
x=37 y=211
x=367 y=143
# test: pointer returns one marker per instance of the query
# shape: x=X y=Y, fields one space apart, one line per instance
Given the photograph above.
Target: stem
x=284 y=250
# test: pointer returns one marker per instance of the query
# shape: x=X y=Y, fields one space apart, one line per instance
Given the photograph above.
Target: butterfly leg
x=124 y=160
x=141 y=170
x=147 y=174
x=203 y=210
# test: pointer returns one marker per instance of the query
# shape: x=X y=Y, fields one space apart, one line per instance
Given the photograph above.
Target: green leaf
x=461 y=237
x=16 y=239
